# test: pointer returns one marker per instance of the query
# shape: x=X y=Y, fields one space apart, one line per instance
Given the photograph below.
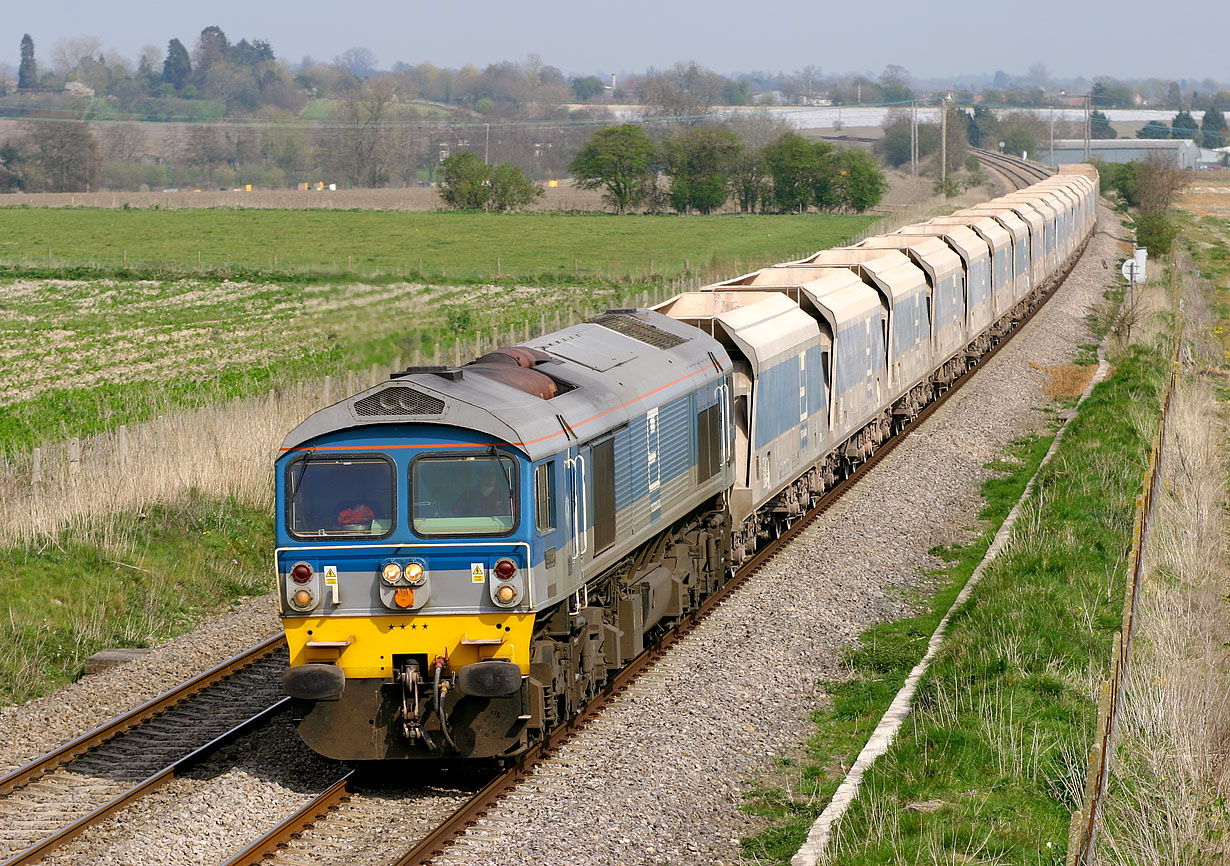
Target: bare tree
x=67 y=53
x=66 y=155
x=685 y=92
x=1158 y=181
x=358 y=60
x=122 y=142
x=360 y=145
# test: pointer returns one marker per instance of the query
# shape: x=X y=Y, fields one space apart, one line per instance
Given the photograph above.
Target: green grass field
x=457 y=246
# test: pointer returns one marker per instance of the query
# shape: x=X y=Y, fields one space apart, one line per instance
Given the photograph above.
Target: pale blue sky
x=1136 y=39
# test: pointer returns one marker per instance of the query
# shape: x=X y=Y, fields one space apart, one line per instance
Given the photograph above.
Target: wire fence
x=1085 y=823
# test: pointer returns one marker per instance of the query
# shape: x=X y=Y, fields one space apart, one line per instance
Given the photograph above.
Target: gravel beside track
x=660 y=776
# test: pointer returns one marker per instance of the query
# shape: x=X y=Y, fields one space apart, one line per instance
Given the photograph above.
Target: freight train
x=466 y=554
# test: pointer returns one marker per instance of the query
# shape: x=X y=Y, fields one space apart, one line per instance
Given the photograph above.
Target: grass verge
x=127 y=580
x=990 y=765
x=877 y=667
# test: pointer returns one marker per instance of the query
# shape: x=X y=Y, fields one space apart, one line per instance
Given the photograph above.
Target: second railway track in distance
x=291 y=842
x=1016 y=171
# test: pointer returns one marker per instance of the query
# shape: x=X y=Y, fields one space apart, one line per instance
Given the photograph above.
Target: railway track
x=59 y=795
x=340 y=810
x=1016 y=171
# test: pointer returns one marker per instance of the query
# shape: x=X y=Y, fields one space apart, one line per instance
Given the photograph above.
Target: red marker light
x=301 y=573
x=505 y=569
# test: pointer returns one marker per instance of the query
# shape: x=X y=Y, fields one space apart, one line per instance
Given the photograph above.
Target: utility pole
x=1088 y=127
x=944 y=144
x=487 y=143
x=1053 y=163
x=914 y=139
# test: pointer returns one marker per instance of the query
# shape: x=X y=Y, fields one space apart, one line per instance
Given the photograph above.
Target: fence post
x=74 y=456
x=375 y=374
x=457 y=352
x=121 y=445
x=328 y=390
x=36 y=468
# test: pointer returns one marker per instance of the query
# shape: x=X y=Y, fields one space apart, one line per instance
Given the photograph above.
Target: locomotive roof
x=622 y=363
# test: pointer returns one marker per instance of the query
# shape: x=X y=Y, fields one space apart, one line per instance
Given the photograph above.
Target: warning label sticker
x=330 y=573
x=478 y=572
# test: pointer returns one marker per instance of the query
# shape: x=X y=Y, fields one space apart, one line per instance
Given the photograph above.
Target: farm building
x=1072 y=150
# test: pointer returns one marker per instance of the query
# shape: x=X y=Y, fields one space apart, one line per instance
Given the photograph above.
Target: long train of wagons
x=465 y=554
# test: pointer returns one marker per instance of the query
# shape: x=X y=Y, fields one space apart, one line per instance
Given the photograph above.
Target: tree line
x=699 y=170
x=1210 y=131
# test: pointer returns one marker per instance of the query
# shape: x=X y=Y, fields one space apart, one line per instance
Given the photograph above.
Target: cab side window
x=544 y=496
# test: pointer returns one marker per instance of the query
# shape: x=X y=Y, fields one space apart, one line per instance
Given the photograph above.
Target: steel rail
x=481 y=802
x=1040 y=172
x=312 y=811
x=39 y=850
x=138 y=716
x=1018 y=170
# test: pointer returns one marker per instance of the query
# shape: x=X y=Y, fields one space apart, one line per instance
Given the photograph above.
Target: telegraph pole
x=914 y=139
x=1088 y=126
x=944 y=144
x=1053 y=163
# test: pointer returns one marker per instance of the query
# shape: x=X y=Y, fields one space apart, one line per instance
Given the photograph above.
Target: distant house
x=1072 y=150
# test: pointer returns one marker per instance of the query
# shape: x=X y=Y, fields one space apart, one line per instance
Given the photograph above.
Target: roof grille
x=398 y=401
x=638 y=329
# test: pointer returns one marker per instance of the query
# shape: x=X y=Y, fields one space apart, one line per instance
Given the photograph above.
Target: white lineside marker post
x=36 y=468
x=121 y=445
x=74 y=456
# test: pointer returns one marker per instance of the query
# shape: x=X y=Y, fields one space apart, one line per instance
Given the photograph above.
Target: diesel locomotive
x=465 y=554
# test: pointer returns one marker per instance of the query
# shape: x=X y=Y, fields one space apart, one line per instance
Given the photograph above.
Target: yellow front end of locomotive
x=365 y=647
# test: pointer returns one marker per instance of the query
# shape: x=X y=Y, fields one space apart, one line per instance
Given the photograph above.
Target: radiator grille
x=398 y=401
x=637 y=329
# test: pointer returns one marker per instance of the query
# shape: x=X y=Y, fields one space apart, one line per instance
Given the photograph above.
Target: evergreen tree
x=27 y=73
x=1154 y=129
x=1099 y=125
x=1213 y=128
x=177 y=67
x=1183 y=125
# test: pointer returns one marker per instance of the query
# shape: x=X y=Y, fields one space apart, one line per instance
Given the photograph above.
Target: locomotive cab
x=405 y=578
